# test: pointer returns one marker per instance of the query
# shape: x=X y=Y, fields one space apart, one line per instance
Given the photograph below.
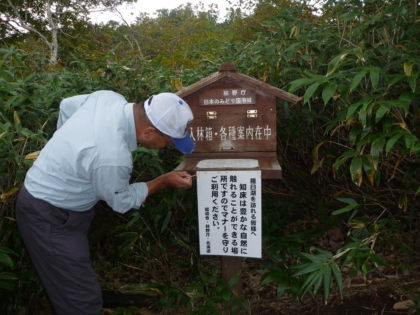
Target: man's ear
x=149 y=132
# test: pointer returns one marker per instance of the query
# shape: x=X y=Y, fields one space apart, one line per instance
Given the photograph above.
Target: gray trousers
x=56 y=240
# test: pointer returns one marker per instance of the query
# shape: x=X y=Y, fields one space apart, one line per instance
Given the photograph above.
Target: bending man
x=89 y=159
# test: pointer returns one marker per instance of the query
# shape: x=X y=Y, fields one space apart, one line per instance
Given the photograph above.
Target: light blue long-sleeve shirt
x=89 y=156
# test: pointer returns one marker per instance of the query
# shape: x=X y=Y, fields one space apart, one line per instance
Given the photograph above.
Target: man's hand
x=172 y=179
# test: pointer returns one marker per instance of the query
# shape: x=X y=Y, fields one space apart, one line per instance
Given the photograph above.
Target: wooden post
x=230 y=266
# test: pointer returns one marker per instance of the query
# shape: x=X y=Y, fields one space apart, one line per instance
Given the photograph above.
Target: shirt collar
x=131 y=129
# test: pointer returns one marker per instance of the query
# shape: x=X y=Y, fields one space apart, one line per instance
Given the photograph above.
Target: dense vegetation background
x=348 y=201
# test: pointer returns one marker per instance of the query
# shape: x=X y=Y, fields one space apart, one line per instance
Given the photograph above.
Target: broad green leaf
x=296 y=84
x=166 y=221
x=369 y=167
x=415 y=148
x=412 y=80
x=409 y=140
x=354 y=132
x=327 y=282
x=10 y=101
x=337 y=276
x=353 y=108
x=282 y=285
x=368 y=106
x=340 y=160
x=378 y=260
x=307 y=268
x=362 y=117
x=324 y=252
x=348 y=16
x=357 y=78
x=5 y=260
x=348 y=153
x=333 y=65
x=345 y=209
x=374 y=77
x=382 y=110
x=328 y=91
x=408 y=68
x=350 y=256
x=405 y=100
x=356 y=170
x=349 y=201
x=391 y=142
x=377 y=149
x=338 y=163
x=234 y=279
x=395 y=79
x=9 y=285
x=7 y=250
x=273 y=275
x=319 y=282
x=311 y=279
x=311 y=257
x=310 y=91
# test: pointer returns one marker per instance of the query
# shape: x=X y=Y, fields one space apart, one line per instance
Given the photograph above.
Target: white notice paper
x=228 y=163
x=229 y=213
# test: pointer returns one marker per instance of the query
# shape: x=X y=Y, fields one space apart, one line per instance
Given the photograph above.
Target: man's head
x=170 y=116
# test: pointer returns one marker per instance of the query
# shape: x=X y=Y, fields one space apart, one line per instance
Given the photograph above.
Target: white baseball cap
x=171 y=115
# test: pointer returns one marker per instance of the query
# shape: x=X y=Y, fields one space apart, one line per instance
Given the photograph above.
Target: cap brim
x=185 y=145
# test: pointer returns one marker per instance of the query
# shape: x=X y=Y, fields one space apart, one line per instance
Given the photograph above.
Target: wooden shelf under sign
x=269 y=166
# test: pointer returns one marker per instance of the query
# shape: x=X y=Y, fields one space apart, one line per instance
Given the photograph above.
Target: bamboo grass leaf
x=391 y=142
x=353 y=108
x=311 y=257
x=349 y=201
x=384 y=108
x=327 y=282
x=412 y=80
x=307 y=268
x=374 y=77
x=408 y=68
x=345 y=209
x=274 y=275
x=337 y=276
x=376 y=150
x=356 y=170
x=166 y=221
x=357 y=78
x=409 y=140
x=311 y=280
x=396 y=79
x=354 y=132
x=333 y=65
x=369 y=167
x=5 y=260
x=319 y=282
x=310 y=91
x=328 y=91
x=281 y=287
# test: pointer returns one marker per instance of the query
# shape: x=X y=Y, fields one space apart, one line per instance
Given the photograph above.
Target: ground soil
x=377 y=296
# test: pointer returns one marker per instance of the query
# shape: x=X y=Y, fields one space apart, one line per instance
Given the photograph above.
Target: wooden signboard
x=234 y=119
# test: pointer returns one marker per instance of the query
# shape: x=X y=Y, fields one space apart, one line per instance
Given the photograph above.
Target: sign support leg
x=230 y=266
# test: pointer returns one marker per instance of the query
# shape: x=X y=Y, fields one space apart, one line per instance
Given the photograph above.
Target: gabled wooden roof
x=228 y=69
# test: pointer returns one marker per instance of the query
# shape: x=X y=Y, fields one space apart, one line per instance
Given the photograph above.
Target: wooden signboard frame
x=234 y=118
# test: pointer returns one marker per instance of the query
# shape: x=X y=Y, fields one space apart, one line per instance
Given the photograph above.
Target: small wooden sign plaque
x=238 y=96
